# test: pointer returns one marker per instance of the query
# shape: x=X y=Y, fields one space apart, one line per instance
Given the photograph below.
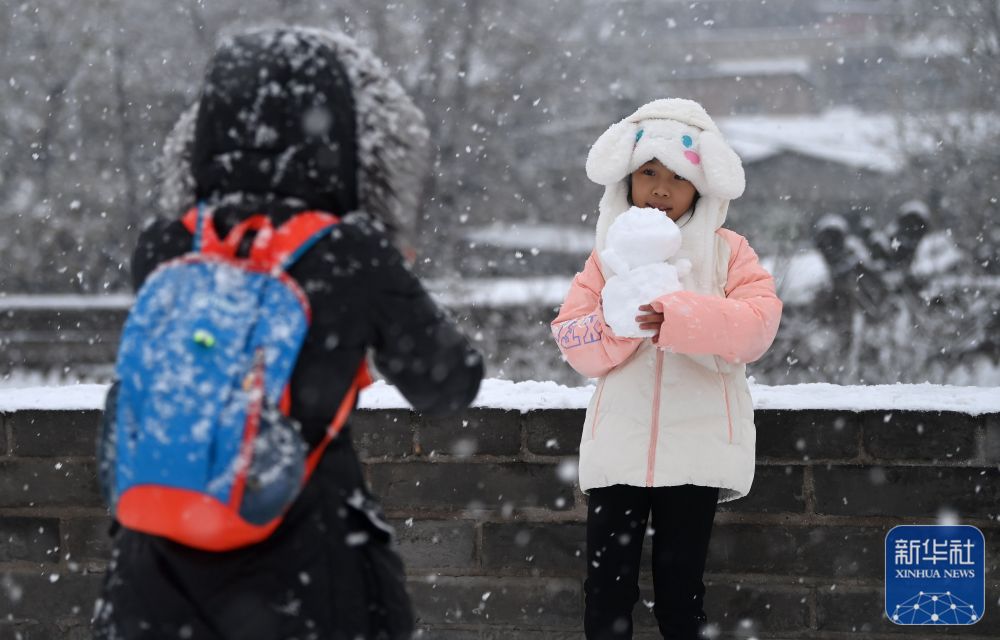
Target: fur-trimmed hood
x=390 y=136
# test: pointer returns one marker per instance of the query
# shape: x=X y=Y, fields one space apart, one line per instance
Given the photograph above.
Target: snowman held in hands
x=641 y=247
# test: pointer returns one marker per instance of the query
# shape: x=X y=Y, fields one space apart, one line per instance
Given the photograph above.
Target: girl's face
x=655 y=186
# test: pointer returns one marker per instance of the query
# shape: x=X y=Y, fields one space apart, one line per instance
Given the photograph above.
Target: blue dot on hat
x=639 y=134
x=687 y=141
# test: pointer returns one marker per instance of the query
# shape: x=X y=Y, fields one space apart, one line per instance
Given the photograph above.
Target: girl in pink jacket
x=670 y=429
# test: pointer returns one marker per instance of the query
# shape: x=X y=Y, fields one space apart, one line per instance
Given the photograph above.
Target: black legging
x=616 y=526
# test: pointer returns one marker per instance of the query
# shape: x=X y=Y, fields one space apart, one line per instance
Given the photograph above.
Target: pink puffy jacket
x=679 y=411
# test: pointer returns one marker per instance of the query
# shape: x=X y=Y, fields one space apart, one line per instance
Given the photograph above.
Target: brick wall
x=494 y=540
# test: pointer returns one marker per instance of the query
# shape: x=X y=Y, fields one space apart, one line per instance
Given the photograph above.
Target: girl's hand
x=650 y=319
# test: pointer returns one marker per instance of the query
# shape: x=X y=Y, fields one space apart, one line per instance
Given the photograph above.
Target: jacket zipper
x=725 y=398
x=654 y=427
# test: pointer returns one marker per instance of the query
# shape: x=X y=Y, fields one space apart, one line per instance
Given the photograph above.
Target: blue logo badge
x=935 y=574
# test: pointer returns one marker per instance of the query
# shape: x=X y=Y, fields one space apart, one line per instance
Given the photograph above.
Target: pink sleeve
x=586 y=342
x=740 y=327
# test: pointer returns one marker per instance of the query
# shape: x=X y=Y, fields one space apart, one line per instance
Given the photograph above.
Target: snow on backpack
x=198 y=447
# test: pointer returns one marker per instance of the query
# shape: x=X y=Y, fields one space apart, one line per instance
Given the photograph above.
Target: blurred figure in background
x=293 y=120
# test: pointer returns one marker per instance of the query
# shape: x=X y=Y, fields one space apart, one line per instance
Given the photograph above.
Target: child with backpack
x=241 y=509
x=669 y=432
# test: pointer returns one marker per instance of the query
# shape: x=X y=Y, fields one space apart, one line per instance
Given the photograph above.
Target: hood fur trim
x=393 y=149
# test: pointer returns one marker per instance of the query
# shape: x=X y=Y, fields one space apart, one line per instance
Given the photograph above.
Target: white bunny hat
x=681 y=135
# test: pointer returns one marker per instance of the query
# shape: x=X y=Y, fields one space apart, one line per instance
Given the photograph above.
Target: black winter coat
x=328 y=572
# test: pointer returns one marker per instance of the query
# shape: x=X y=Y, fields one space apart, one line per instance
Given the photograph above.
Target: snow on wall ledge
x=538 y=395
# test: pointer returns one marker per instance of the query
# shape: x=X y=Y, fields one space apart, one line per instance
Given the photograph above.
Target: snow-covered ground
x=64 y=301
x=798 y=277
x=494 y=293
x=467 y=292
x=533 y=395
x=541 y=237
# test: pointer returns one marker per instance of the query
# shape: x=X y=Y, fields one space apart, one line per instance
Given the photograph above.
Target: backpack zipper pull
x=204 y=338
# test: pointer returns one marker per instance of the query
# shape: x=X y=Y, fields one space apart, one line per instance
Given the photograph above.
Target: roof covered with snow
x=871 y=141
x=844 y=136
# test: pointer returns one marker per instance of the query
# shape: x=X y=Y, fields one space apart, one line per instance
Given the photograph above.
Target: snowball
x=641 y=236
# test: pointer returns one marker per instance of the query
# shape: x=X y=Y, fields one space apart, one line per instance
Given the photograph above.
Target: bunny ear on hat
x=723 y=168
x=612 y=157
x=608 y=160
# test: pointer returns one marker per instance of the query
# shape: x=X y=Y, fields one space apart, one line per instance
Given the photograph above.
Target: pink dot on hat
x=692 y=156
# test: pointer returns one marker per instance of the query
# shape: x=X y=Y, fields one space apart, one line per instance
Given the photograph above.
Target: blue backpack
x=198 y=447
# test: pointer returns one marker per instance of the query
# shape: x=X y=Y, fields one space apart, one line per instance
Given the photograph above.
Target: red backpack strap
x=272 y=248
x=362 y=378
x=199 y=221
x=296 y=236
x=190 y=220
